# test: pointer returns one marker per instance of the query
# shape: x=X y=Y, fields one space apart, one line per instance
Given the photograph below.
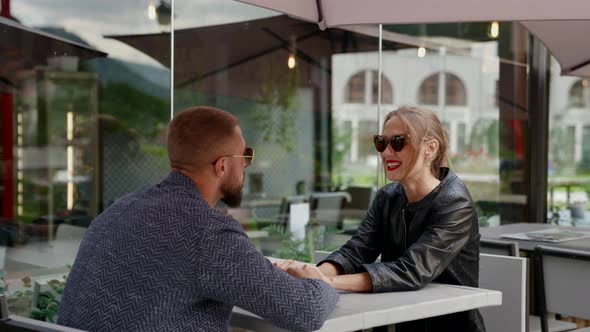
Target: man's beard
x=232 y=192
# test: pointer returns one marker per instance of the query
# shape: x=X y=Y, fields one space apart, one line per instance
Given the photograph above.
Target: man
x=164 y=259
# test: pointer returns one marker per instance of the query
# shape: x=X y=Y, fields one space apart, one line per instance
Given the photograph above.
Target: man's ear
x=220 y=167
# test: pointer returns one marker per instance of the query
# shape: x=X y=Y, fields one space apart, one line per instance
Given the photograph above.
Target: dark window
x=579 y=95
x=355 y=88
x=386 y=89
x=455 y=94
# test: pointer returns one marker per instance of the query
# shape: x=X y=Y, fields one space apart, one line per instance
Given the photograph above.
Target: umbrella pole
x=379 y=118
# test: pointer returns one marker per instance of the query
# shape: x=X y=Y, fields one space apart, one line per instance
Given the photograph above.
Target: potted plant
x=38 y=299
x=577 y=209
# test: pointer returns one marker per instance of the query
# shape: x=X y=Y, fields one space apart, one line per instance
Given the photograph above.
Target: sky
x=92 y=19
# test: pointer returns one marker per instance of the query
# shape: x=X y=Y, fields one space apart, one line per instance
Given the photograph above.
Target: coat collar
x=177 y=179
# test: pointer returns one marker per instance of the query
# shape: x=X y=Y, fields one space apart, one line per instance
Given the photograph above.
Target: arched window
x=579 y=95
x=356 y=89
x=386 y=89
x=455 y=94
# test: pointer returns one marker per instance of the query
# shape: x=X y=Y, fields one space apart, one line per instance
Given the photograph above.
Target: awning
x=562 y=26
x=331 y=13
x=155 y=45
x=567 y=41
x=22 y=47
x=251 y=49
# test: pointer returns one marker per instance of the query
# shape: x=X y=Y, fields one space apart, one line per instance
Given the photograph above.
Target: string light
x=421 y=52
x=152 y=11
x=494 y=29
x=291 y=62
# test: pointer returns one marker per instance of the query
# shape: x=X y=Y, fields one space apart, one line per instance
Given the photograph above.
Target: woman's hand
x=359 y=282
x=330 y=269
x=302 y=270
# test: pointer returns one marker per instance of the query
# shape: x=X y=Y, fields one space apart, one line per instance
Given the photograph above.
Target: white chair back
x=510 y=276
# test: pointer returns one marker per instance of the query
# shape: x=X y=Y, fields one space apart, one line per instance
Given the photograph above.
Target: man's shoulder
x=153 y=202
x=165 y=195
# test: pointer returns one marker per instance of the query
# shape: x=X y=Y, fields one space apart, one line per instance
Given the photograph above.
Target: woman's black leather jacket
x=433 y=240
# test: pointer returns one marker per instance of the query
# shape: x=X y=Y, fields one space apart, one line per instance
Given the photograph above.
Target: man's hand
x=302 y=270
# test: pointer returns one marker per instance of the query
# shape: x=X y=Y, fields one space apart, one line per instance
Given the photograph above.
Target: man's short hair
x=198 y=135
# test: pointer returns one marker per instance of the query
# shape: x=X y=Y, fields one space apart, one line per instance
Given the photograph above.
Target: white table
x=495 y=233
x=357 y=311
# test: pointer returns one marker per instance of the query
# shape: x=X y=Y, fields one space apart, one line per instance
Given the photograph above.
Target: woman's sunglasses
x=397 y=142
x=248 y=156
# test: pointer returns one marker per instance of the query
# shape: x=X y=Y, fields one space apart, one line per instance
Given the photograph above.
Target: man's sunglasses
x=248 y=156
x=397 y=142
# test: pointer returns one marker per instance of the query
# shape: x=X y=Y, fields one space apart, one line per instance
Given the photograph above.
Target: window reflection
x=386 y=89
x=314 y=121
x=86 y=134
x=569 y=155
x=83 y=123
x=57 y=152
x=455 y=94
x=579 y=94
x=356 y=89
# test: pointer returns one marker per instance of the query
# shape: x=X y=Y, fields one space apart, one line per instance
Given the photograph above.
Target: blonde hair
x=424 y=125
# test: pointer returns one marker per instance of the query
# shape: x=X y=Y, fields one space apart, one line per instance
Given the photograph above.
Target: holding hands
x=328 y=272
x=302 y=270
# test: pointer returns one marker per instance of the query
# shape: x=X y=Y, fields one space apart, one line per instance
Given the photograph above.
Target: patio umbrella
x=549 y=20
x=330 y=13
x=567 y=41
x=22 y=47
x=250 y=50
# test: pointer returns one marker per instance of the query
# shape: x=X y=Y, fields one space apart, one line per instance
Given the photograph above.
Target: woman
x=423 y=225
